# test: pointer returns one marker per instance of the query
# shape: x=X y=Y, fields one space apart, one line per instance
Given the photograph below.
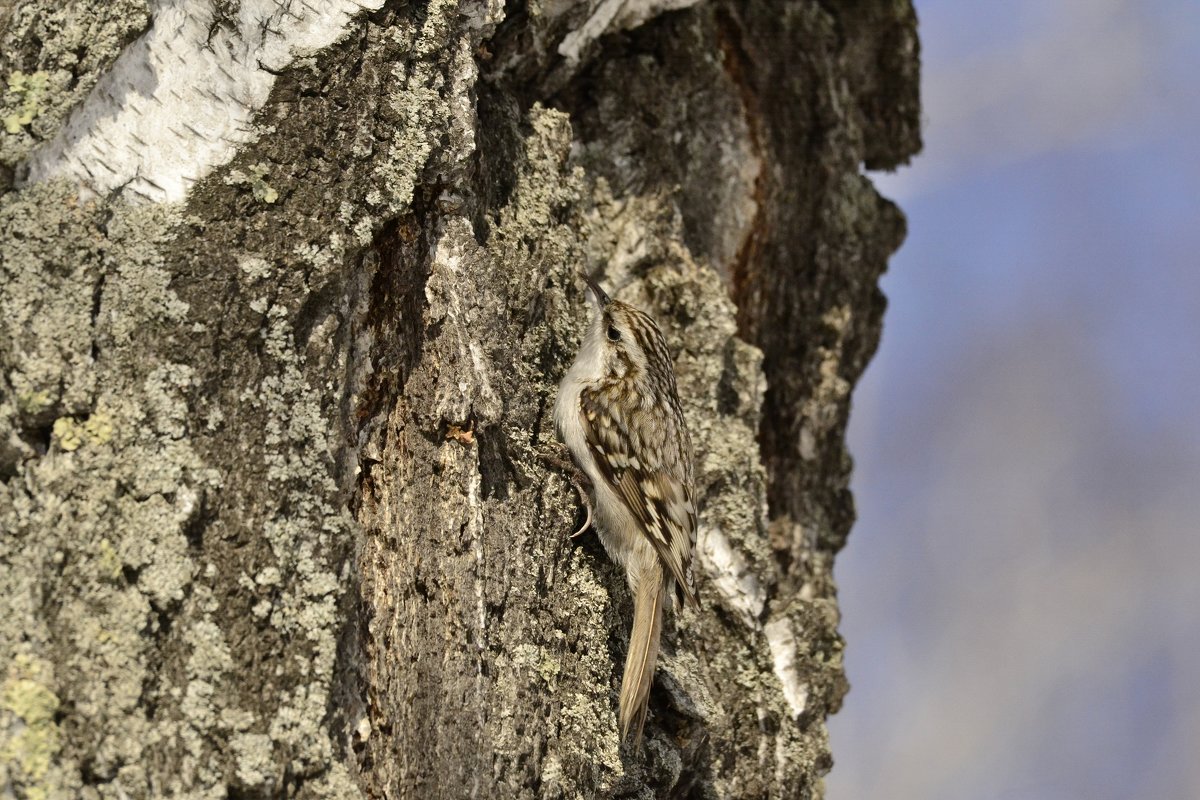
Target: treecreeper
x=618 y=413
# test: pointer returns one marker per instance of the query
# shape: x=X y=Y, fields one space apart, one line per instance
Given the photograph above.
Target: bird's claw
x=578 y=479
x=587 y=523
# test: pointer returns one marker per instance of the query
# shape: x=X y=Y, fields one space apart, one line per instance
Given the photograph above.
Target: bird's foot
x=558 y=457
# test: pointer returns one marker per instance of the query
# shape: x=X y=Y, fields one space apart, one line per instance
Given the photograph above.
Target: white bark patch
x=782 y=641
x=181 y=99
x=730 y=574
x=621 y=15
x=452 y=290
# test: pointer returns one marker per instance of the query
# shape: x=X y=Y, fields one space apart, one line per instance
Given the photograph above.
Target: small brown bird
x=618 y=413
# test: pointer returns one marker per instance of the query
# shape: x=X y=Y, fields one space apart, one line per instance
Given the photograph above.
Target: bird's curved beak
x=598 y=294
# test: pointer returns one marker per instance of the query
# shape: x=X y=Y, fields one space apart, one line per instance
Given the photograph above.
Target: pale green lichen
x=26 y=92
x=255 y=761
x=70 y=44
x=255 y=268
x=48 y=277
x=256 y=180
x=33 y=403
x=72 y=434
x=29 y=738
x=68 y=434
x=118 y=424
x=108 y=560
x=427 y=106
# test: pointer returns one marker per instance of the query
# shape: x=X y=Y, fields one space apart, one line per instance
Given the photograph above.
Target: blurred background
x=1021 y=594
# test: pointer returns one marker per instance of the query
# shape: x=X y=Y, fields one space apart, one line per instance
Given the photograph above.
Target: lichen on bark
x=276 y=517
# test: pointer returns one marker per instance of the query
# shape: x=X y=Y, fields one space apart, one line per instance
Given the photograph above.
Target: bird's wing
x=643 y=462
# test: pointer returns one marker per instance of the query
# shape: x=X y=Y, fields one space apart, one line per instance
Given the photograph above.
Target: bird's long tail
x=648 y=594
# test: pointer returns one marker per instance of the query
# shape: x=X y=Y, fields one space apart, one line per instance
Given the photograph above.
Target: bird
x=619 y=415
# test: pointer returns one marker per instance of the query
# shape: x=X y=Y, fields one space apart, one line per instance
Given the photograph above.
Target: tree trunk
x=286 y=289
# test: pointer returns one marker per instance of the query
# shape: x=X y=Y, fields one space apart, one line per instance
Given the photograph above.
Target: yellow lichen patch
x=256 y=179
x=110 y=562
x=68 y=434
x=34 y=402
x=96 y=429
x=28 y=90
x=29 y=740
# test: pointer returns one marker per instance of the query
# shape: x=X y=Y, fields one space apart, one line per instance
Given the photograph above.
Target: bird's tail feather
x=643 y=651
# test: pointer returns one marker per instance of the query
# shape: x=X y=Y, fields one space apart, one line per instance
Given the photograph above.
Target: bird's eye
x=614 y=335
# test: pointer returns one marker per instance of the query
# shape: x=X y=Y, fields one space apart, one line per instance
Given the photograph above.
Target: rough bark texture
x=275 y=520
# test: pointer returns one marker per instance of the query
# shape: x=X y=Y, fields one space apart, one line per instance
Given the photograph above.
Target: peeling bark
x=278 y=356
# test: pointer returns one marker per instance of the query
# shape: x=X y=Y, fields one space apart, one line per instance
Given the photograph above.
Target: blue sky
x=1020 y=596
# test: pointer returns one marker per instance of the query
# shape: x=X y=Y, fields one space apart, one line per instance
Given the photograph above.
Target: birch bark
x=285 y=291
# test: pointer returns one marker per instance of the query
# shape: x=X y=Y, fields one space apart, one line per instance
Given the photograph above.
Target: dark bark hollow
x=275 y=520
